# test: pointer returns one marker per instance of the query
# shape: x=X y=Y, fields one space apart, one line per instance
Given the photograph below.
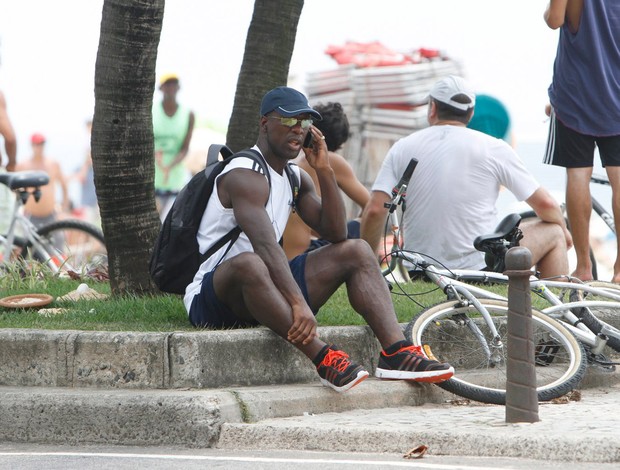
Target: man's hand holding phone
x=308 y=140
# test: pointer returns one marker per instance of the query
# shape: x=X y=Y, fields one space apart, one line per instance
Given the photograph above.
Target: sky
x=48 y=52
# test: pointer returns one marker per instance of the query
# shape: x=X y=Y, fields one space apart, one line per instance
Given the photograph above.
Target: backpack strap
x=215 y=150
x=212 y=156
x=294 y=181
x=233 y=234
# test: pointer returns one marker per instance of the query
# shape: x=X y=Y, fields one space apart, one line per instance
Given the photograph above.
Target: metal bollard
x=521 y=396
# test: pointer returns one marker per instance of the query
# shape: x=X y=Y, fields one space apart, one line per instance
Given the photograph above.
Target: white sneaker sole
x=361 y=375
x=432 y=376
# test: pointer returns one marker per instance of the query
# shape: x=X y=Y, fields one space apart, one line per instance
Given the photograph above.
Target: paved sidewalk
x=587 y=430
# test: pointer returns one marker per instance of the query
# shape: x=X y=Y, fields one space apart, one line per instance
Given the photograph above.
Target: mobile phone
x=308 y=140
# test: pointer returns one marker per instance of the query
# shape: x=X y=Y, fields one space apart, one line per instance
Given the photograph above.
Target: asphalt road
x=34 y=457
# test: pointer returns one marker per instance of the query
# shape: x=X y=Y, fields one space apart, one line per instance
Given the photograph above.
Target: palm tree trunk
x=122 y=138
x=268 y=50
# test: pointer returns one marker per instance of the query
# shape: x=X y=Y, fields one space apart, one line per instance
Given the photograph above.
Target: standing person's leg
x=609 y=149
x=613 y=174
x=575 y=152
x=353 y=263
x=578 y=211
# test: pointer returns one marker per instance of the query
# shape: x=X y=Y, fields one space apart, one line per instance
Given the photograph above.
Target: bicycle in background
x=68 y=247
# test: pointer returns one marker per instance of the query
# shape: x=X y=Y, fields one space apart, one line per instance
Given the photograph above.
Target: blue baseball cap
x=287 y=102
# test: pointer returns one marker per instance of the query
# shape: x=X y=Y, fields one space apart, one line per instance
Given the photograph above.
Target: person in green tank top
x=172 y=130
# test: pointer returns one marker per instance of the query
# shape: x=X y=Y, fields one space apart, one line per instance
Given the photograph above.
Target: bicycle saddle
x=24 y=179
x=505 y=230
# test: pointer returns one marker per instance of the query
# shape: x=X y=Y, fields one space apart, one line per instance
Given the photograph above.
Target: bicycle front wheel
x=458 y=335
x=74 y=246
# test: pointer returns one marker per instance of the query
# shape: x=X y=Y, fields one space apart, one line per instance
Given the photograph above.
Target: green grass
x=165 y=312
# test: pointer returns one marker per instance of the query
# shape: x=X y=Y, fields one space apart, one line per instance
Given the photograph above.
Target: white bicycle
x=69 y=246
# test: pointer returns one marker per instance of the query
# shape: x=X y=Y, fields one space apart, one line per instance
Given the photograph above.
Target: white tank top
x=218 y=220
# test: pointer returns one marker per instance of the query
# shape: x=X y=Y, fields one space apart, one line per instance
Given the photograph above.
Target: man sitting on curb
x=452 y=193
x=251 y=282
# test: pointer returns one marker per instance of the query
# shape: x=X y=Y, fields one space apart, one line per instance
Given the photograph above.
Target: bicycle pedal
x=545 y=352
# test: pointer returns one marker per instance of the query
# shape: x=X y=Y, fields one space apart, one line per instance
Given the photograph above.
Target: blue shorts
x=208 y=311
x=353 y=231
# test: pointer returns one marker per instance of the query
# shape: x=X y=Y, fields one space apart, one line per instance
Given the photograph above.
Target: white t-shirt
x=217 y=221
x=452 y=193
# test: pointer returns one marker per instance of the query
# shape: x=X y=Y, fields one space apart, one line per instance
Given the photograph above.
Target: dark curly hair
x=334 y=126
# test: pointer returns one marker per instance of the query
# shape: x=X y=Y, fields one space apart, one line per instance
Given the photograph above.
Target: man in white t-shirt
x=452 y=193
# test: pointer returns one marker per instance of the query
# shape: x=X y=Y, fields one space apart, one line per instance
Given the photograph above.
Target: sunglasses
x=292 y=122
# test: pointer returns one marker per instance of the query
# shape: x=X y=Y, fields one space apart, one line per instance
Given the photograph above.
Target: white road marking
x=405 y=464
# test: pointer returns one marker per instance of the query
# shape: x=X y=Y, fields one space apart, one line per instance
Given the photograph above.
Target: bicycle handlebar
x=404 y=181
x=400 y=190
x=600 y=179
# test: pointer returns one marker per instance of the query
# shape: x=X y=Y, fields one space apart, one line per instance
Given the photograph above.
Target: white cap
x=448 y=87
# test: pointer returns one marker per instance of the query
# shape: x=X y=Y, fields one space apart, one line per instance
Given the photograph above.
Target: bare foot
x=585 y=275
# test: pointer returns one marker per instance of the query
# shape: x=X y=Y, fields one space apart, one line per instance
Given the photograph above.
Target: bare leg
x=613 y=173
x=353 y=262
x=244 y=284
x=547 y=244
x=578 y=210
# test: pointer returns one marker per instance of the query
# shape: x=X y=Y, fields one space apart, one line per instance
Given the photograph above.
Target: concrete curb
x=121 y=360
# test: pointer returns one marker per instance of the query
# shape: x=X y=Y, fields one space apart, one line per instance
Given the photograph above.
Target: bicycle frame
x=46 y=251
x=457 y=286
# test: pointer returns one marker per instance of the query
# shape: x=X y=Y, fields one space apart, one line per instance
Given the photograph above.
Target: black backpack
x=176 y=258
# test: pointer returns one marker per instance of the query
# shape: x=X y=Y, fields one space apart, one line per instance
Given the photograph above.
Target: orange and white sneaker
x=410 y=363
x=336 y=370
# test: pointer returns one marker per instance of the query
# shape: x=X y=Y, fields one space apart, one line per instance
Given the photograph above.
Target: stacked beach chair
x=384 y=94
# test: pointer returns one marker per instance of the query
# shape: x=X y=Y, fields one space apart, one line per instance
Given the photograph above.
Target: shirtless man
x=298 y=237
x=7 y=132
x=45 y=210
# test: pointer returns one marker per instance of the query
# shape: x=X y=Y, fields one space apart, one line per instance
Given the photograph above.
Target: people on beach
x=298 y=237
x=451 y=198
x=7 y=202
x=173 y=125
x=492 y=117
x=46 y=209
x=584 y=112
x=86 y=177
x=251 y=281
x=8 y=134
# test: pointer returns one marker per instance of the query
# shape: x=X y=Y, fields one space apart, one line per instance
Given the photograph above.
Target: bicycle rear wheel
x=445 y=331
x=73 y=246
x=593 y=317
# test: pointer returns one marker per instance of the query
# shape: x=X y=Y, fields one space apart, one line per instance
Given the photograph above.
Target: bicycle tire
x=81 y=246
x=531 y=215
x=592 y=320
x=561 y=359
